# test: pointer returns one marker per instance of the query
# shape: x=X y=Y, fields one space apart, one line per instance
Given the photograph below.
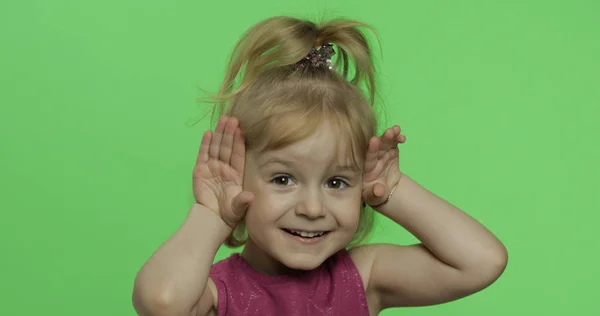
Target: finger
x=238 y=155
x=389 y=137
x=398 y=137
x=372 y=154
x=385 y=142
x=204 y=146
x=401 y=138
x=216 y=139
x=241 y=203
x=227 y=140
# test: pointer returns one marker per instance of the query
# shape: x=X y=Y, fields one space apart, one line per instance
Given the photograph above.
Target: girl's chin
x=304 y=262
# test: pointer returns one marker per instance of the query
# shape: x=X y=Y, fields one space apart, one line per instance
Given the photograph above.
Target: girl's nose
x=311 y=206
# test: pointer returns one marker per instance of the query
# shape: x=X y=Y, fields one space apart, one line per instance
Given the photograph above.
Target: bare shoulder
x=363 y=258
x=207 y=304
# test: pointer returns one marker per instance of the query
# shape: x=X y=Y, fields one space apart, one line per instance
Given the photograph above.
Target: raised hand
x=219 y=172
x=381 y=170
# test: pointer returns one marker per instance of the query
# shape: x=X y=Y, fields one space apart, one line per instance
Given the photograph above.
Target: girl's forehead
x=317 y=150
x=327 y=139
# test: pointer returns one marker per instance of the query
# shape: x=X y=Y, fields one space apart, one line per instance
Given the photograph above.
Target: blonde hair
x=278 y=103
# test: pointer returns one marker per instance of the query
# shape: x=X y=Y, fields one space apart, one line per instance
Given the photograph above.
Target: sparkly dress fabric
x=335 y=288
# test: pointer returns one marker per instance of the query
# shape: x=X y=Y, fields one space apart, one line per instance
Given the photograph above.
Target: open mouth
x=304 y=234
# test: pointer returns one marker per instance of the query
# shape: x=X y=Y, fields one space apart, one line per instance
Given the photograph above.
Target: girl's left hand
x=381 y=170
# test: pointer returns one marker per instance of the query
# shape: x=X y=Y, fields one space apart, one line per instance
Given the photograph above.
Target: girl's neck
x=262 y=262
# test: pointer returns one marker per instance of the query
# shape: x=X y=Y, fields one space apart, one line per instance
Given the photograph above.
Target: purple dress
x=334 y=288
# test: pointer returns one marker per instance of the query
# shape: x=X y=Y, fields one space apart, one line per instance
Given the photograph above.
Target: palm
x=382 y=171
x=215 y=183
x=219 y=170
x=386 y=163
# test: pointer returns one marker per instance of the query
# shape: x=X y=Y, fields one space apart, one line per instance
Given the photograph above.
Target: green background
x=499 y=100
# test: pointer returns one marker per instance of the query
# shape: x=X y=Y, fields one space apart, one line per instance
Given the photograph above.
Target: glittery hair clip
x=318 y=58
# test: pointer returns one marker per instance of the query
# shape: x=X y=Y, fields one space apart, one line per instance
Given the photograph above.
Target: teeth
x=307 y=234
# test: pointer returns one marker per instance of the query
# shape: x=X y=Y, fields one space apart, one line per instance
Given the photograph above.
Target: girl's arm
x=458 y=256
x=175 y=280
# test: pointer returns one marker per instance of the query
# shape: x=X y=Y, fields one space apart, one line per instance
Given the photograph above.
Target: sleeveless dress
x=335 y=288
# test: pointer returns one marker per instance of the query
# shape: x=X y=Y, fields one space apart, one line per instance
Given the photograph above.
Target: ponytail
x=281 y=42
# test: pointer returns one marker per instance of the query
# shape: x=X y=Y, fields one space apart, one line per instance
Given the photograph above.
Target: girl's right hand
x=219 y=172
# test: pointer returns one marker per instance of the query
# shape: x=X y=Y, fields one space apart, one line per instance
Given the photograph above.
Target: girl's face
x=306 y=206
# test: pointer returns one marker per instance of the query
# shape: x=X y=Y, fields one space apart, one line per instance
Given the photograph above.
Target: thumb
x=241 y=202
x=375 y=194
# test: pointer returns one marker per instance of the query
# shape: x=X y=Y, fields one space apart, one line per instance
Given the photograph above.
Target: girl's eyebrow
x=276 y=160
x=290 y=164
x=350 y=168
x=272 y=159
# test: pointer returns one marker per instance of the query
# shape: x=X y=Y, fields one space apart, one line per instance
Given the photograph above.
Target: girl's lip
x=307 y=230
x=306 y=240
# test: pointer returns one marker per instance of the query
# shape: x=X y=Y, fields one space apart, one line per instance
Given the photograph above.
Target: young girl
x=294 y=171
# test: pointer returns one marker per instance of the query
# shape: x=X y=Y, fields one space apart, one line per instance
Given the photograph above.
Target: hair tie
x=318 y=58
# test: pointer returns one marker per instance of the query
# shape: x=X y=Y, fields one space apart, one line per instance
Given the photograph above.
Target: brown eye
x=282 y=180
x=336 y=184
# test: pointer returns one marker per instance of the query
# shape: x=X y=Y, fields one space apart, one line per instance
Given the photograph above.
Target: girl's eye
x=282 y=180
x=336 y=184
